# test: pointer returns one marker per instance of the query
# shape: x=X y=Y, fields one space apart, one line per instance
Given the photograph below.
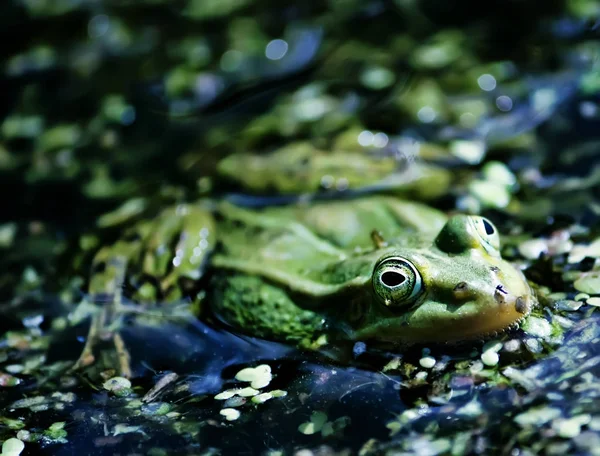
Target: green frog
x=371 y=268
x=301 y=168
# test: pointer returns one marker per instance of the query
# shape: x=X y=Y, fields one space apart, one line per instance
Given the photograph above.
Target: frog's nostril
x=499 y=296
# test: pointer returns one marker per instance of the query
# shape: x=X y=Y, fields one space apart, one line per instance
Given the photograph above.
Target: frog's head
x=457 y=287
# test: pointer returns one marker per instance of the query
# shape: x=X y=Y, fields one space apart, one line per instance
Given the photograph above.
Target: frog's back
x=344 y=224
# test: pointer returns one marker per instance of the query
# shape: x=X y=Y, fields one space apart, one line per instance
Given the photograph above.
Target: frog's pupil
x=392 y=279
x=489 y=229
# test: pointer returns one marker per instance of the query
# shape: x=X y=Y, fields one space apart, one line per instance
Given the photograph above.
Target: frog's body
x=371 y=268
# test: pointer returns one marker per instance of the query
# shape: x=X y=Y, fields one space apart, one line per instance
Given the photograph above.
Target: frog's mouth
x=442 y=322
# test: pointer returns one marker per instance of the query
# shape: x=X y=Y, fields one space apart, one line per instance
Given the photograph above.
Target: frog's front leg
x=106 y=287
x=153 y=257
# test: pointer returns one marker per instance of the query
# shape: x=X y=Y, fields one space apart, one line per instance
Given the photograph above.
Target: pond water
x=116 y=111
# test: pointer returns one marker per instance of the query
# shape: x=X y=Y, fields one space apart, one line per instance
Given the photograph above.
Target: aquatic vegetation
x=12 y=447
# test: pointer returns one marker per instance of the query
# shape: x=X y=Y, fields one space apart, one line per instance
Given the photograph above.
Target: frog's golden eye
x=397 y=282
x=487 y=233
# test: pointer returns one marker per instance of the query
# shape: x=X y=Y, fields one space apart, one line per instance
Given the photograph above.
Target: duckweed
x=230 y=414
x=258 y=377
x=12 y=447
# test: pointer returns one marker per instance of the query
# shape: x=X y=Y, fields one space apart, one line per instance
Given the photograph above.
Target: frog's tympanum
x=372 y=268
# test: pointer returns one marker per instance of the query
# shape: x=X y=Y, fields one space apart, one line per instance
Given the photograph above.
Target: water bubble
x=359 y=348
x=276 y=49
x=380 y=140
x=207 y=87
x=426 y=114
x=342 y=184
x=365 y=138
x=327 y=181
x=486 y=82
x=504 y=103
x=588 y=109
x=311 y=109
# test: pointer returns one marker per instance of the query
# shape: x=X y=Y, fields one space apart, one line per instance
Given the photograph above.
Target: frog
x=372 y=268
x=404 y=167
x=302 y=168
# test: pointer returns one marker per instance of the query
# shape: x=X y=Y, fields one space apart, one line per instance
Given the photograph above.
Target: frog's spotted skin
x=293 y=272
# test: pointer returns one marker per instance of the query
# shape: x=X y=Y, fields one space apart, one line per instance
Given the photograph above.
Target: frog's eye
x=487 y=233
x=397 y=282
